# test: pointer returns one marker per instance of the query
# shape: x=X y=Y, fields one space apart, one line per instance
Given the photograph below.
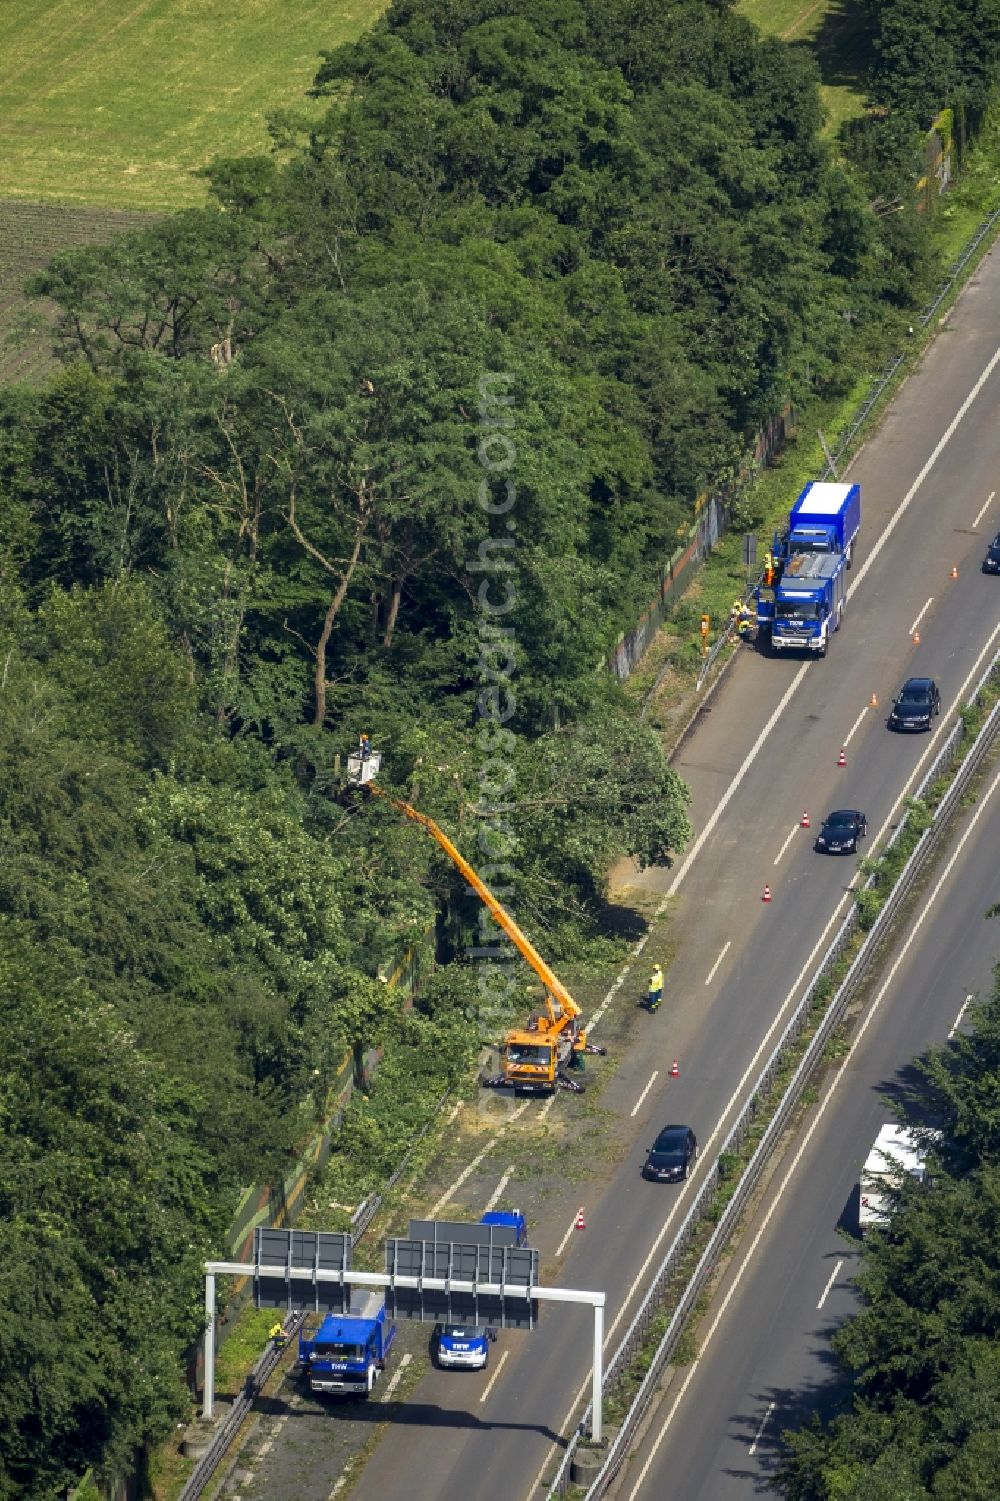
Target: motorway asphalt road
x=765 y=1361
x=928 y=492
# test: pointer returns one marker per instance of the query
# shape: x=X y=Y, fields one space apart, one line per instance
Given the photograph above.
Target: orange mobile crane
x=536 y=1059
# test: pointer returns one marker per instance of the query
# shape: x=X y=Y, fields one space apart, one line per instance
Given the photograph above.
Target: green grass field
x=118 y=102
x=835 y=32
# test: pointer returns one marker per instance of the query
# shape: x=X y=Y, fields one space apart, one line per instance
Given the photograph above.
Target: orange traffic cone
x=767 y=894
x=916 y=638
x=873 y=702
x=805 y=821
x=580 y=1223
x=953 y=574
x=675 y=1071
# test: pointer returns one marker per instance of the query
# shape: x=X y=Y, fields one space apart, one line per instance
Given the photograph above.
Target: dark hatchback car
x=915 y=705
x=670 y=1157
x=991 y=562
x=841 y=831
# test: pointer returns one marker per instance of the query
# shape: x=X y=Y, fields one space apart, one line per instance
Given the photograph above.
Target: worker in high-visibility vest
x=655 y=993
x=769 y=569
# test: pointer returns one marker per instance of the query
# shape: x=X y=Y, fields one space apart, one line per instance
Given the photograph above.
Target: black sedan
x=841 y=832
x=915 y=705
x=670 y=1157
x=991 y=562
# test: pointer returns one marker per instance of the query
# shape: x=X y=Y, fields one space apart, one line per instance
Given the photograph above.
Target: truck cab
x=347 y=1353
x=809 y=602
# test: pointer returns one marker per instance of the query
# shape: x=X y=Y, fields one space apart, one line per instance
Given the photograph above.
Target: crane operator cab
x=537 y=1058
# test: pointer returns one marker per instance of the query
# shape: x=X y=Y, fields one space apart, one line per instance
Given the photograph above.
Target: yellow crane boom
x=554 y=987
x=536 y=1057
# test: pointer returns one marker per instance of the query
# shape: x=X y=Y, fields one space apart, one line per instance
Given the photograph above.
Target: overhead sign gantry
x=306 y=1271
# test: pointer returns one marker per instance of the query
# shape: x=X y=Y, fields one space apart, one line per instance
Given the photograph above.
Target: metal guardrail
x=229 y=1429
x=711 y=656
x=968 y=251
x=206 y=1467
x=670 y=1267
x=364 y=1216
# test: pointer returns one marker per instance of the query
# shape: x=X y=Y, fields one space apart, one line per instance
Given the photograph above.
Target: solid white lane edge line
x=958 y=1020
x=779 y=1194
x=903 y=506
x=490 y=1384
x=620 y=979
x=543 y=1113
x=826 y=1291
x=986 y=505
x=730 y=792
x=763 y=1425
x=645 y=1092
x=752 y=754
x=853 y=730
x=494 y=1197
x=920 y=617
x=788 y=840
x=816 y=949
x=859 y=576
x=725 y=950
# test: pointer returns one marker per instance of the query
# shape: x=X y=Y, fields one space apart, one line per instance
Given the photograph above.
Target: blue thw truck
x=467 y=1346
x=347 y=1353
x=801 y=600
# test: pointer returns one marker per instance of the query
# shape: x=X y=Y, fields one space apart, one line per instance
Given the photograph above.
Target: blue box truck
x=802 y=597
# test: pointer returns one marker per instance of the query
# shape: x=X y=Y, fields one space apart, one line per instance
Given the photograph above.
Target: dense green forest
x=393 y=438
x=921 y=1358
